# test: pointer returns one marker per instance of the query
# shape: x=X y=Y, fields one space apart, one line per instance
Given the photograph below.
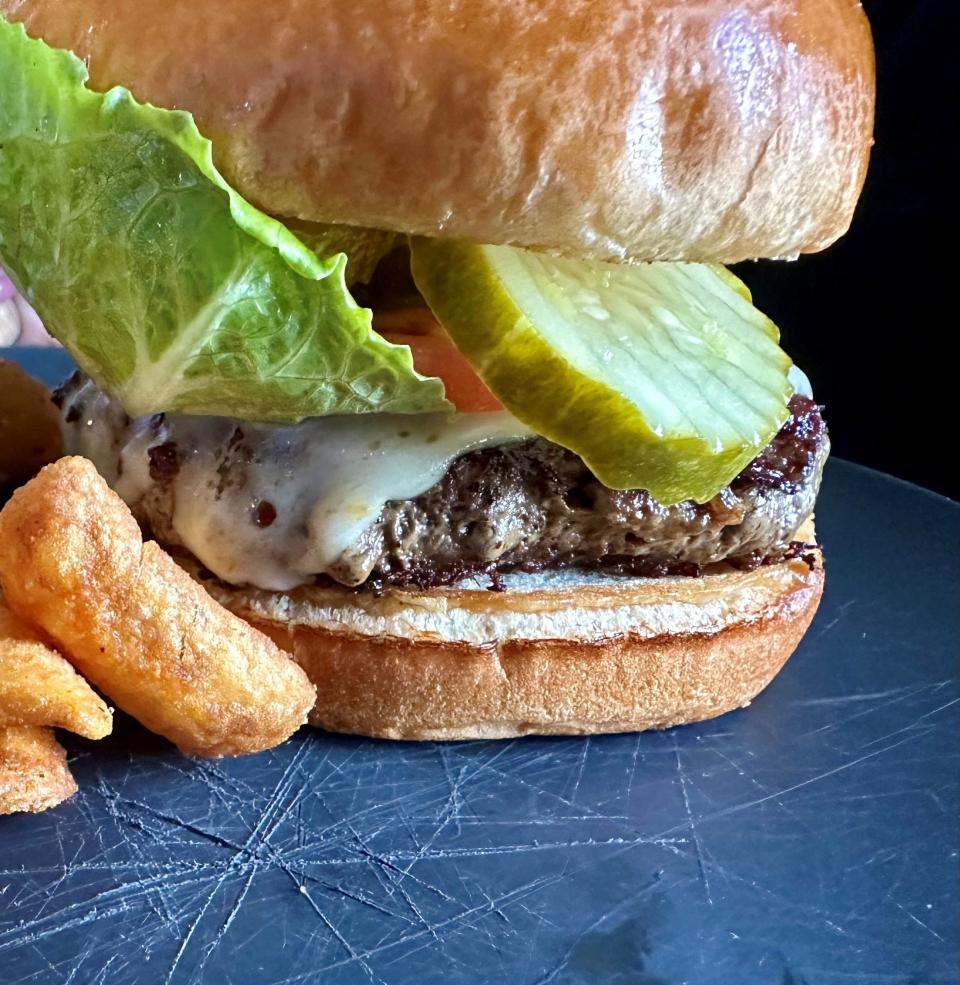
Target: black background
x=873 y=320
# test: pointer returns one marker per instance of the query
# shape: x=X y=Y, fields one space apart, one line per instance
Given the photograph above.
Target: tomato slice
x=434 y=354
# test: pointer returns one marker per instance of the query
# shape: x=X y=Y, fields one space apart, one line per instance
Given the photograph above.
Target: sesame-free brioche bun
x=558 y=652
x=644 y=129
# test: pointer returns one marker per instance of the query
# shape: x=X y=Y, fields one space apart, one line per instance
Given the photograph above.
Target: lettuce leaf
x=167 y=287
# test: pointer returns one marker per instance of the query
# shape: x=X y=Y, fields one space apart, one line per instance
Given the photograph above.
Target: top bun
x=615 y=129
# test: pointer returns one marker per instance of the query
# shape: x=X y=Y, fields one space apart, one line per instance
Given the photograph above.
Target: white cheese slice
x=326 y=480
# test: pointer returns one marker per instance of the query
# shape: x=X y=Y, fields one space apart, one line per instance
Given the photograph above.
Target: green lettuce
x=167 y=287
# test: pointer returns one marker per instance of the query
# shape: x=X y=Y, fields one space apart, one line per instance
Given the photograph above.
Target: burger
x=407 y=328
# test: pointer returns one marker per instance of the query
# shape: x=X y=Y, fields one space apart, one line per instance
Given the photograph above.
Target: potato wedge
x=29 y=425
x=33 y=770
x=13 y=628
x=72 y=562
x=39 y=687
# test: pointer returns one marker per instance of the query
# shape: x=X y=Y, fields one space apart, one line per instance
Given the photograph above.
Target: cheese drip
x=274 y=506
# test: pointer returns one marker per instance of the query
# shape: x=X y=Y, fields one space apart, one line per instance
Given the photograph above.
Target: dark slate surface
x=812 y=838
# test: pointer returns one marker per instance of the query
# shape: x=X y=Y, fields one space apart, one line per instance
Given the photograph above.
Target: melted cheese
x=328 y=479
x=800 y=382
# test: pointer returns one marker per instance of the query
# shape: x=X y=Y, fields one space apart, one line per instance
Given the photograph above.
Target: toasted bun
x=651 y=129
x=554 y=653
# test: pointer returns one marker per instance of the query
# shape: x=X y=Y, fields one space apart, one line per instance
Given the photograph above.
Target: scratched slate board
x=810 y=839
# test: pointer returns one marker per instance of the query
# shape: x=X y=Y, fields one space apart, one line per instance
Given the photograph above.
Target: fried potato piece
x=29 y=425
x=137 y=626
x=39 y=687
x=34 y=775
x=12 y=628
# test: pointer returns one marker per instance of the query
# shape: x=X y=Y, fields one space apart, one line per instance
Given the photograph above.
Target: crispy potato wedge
x=34 y=775
x=29 y=425
x=13 y=628
x=39 y=687
x=136 y=625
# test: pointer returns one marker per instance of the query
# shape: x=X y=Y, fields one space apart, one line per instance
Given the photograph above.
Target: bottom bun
x=559 y=652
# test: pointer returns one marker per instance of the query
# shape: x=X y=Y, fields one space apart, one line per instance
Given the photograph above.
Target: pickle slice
x=661 y=376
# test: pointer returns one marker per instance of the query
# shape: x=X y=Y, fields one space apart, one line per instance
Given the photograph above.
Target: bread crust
x=625 y=655
x=646 y=129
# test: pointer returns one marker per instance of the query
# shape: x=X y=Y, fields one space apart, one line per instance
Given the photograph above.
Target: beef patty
x=533 y=505
x=528 y=505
